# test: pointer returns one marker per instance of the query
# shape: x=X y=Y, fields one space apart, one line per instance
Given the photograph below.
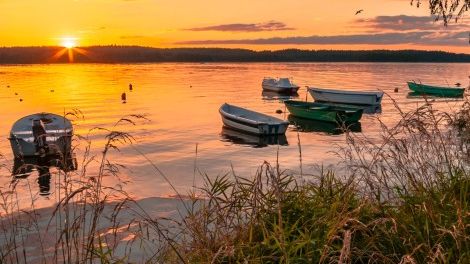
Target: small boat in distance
x=250 y=121
x=281 y=85
x=41 y=135
x=324 y=112
x=436 y=90
x=346 y=96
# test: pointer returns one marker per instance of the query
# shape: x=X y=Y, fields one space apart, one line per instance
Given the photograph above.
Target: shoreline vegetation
x=138 y=54
x=404 y=199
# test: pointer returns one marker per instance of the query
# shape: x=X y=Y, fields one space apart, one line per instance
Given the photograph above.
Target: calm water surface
x=181 y=102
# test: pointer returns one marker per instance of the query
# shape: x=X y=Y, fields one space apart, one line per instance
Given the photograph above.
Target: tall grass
x=401 y=199
x=85 y=225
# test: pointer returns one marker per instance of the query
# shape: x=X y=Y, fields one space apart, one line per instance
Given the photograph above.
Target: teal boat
x=324 y=112
x=436 y=90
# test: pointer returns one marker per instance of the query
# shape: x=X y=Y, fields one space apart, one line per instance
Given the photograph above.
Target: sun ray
x=59 y=54
x=70 y=54
x=81 y=51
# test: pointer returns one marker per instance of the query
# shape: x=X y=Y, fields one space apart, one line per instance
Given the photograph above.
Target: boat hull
x=257 y=129
x=23 y=148
x=279 y=89
x=251 y=122
x=324 y=112
x=436 y=90
x=346 y=97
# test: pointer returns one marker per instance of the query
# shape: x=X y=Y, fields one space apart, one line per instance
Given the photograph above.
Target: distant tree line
x=136 y=54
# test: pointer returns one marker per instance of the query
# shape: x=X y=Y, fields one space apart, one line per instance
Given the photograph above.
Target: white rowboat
x=346 y=97
x=250 y=121
x=281 y=85
x=40 y=134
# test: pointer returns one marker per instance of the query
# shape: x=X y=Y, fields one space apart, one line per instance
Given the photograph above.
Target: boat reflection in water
x=255 y=141
x=25 y=166
x=270 y=95
x=309 y=125
x=371 y=109
x=414 y=95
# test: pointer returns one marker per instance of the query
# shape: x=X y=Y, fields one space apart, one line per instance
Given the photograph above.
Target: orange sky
x=255 y=24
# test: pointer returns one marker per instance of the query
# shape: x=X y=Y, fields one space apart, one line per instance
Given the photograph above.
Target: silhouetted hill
x=132 y=54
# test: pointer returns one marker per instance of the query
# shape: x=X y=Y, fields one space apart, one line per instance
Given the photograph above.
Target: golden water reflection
x=181 y=102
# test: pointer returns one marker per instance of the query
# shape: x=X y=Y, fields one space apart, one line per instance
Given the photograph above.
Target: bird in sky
x=359 y=11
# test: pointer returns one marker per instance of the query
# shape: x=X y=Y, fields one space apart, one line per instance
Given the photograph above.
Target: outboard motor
x=39 y=134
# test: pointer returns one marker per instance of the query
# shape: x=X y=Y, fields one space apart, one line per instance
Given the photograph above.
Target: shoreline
x=137 y=54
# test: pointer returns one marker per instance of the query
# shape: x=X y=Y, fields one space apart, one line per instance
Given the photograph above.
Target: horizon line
x=229 y=48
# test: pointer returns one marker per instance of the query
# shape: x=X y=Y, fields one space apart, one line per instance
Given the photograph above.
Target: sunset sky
x=254 y=24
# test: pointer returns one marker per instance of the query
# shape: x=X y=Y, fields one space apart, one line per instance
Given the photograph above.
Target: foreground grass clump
x=402 y=200
x=274 y=219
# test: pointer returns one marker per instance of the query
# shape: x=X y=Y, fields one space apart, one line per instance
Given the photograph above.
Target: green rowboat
x=324 y=112
x=436 y=90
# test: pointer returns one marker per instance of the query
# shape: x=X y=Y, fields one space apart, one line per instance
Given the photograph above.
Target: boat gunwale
x=67 y=124
x=349 y=92
x=330 y=108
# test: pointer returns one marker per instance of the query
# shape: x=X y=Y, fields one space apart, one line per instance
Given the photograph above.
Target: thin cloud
x=421 y=38
x=240 y=27
x=380 y=30
x=405 y=23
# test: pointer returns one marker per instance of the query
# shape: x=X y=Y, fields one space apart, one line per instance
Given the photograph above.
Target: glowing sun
x=69 y=43
x=70 y=48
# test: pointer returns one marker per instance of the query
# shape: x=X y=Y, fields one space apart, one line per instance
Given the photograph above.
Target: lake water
x=181 y=103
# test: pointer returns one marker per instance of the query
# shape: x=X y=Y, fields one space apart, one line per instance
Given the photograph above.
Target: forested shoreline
x=137 y=54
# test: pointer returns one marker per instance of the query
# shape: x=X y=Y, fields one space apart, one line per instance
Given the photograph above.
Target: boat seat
x=318 y=108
